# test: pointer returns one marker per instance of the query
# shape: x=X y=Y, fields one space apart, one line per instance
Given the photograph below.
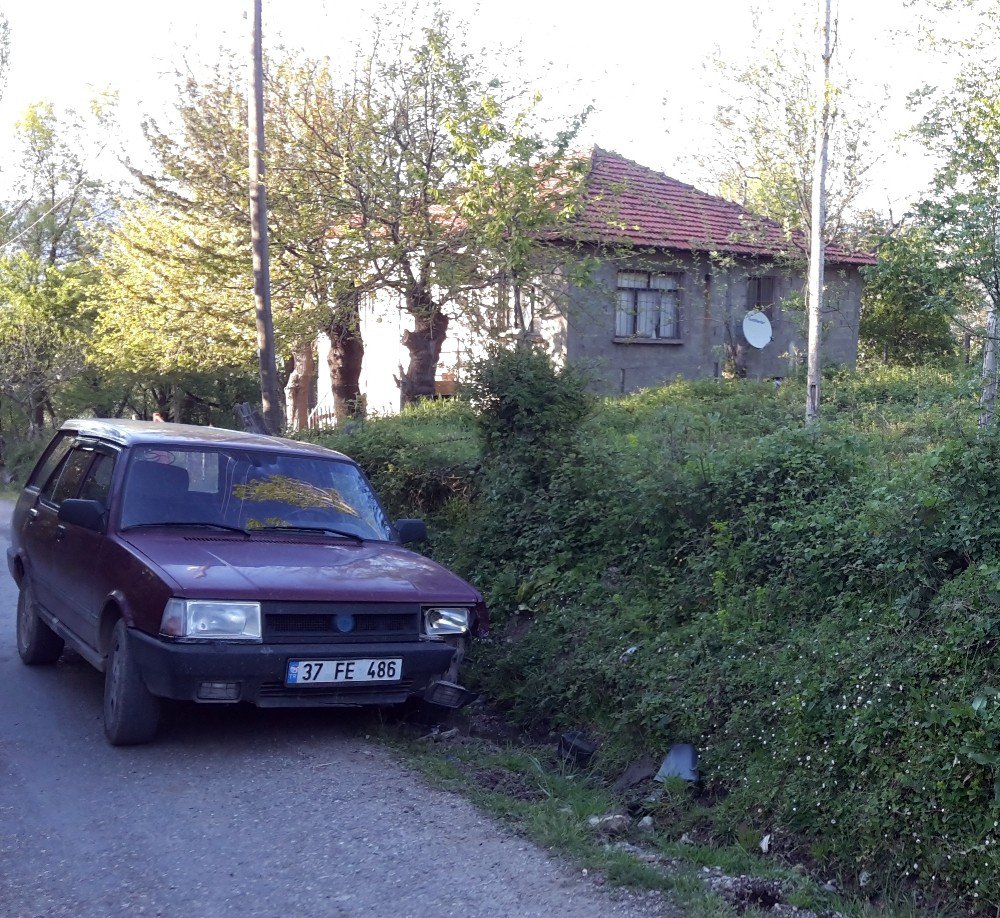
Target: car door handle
x=60 y=533
x=32 y=513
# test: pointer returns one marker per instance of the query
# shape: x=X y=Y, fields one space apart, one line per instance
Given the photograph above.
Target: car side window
x=53 y=455
x=97 y=484
x=65 y=482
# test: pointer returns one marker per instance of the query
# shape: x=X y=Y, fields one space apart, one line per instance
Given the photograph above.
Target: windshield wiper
x=191 y=523
x=326 y=530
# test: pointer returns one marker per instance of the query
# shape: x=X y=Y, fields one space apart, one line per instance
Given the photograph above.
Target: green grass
x=697 y=567
x=566 y=798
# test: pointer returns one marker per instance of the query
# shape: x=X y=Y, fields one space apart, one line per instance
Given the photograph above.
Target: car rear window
x=54 y=453
x=67 y=482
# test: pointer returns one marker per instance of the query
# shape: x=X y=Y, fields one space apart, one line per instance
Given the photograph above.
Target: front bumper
x=177 y=670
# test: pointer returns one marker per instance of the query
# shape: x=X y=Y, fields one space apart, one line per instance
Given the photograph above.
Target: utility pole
x=270 y=395
x=817 y=253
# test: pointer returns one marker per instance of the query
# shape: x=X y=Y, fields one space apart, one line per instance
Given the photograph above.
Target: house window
x=649 y=305
x=760 y=295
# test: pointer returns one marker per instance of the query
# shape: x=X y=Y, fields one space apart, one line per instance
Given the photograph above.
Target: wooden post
x=817 y=224
x=270 y=393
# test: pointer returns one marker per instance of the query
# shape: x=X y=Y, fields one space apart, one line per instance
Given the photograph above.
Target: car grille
x=316 y=622
x=334 y=695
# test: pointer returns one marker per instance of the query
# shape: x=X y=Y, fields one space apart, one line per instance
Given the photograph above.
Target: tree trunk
x=424 y=344
x=988 y=399
x=817 y=222
x=177 y=409
x=36 y=415
x=347 y=351
x=299 y=386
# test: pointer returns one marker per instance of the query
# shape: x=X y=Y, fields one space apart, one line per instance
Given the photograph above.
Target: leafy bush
x=527 y=409
x=818 y=611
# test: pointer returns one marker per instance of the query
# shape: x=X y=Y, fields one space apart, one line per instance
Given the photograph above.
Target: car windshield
x=249 y=490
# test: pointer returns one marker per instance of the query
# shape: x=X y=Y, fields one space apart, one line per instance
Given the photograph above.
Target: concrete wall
x=383 y=321
x=713 y=305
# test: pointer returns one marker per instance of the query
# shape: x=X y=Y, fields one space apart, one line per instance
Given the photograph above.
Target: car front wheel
x=37 y=643
x=131 y=711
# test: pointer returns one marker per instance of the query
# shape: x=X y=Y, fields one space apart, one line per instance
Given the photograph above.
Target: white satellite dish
x=757 y=329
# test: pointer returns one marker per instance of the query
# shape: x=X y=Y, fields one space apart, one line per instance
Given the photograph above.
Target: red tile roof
x=631 y=204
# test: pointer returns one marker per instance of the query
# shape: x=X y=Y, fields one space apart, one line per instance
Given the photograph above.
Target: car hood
x=292 y=568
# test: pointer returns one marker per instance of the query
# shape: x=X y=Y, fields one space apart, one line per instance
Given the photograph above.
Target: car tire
x=37 y=643
x=131 y=711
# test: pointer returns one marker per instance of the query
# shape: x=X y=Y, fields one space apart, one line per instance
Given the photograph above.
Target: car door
x=80 y=579
x=45 y=537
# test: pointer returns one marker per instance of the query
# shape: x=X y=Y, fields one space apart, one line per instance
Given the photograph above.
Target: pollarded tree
x=438 y=182
x=388 y=173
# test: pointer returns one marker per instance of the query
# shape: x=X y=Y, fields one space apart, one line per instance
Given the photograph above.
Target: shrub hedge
x=818 y=611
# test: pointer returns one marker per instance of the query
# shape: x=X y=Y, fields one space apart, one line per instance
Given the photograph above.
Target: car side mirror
x=86 y=513
x=411 y=531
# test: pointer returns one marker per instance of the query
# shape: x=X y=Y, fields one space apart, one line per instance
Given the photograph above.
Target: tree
x=438 y=183
x=910 y=300
x=195 y=199
x=962 y=212
x=45 y=279
x=762 y=150
x=516 y=189
x=41 y=344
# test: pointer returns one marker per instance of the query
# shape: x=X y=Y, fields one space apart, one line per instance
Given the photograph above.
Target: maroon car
x=209 y=565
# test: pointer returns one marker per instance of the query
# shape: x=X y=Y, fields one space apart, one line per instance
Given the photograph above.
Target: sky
x=641 y=64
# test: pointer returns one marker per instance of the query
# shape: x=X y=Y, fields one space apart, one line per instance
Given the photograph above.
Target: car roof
x=132 y=433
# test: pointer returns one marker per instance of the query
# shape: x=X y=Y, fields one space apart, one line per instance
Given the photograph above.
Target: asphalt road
x=239 y=811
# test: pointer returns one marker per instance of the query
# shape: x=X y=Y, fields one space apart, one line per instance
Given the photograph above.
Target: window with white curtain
x=649 y=305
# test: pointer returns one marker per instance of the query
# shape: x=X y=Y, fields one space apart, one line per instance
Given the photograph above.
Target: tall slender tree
x=818 y=217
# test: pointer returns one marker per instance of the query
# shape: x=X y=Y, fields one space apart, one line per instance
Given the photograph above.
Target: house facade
x=678 y=271
x=675 y=273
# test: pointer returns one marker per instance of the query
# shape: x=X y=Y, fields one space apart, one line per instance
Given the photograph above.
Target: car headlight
x=439 y=621
x=210 y=620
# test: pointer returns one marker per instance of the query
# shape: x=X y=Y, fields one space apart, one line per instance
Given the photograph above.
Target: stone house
x=676 y=270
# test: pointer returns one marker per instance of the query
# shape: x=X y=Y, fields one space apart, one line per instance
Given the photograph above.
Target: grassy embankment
x=817 y=611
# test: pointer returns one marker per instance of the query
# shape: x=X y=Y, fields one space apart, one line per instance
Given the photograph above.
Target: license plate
x=316 y=672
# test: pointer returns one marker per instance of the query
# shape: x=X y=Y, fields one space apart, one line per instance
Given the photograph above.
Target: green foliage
x=528 y=410
x=42 y=331
x=962 y=211
x=417 y=460
x=762 y=152
x=909 y=301
x=815 y=610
